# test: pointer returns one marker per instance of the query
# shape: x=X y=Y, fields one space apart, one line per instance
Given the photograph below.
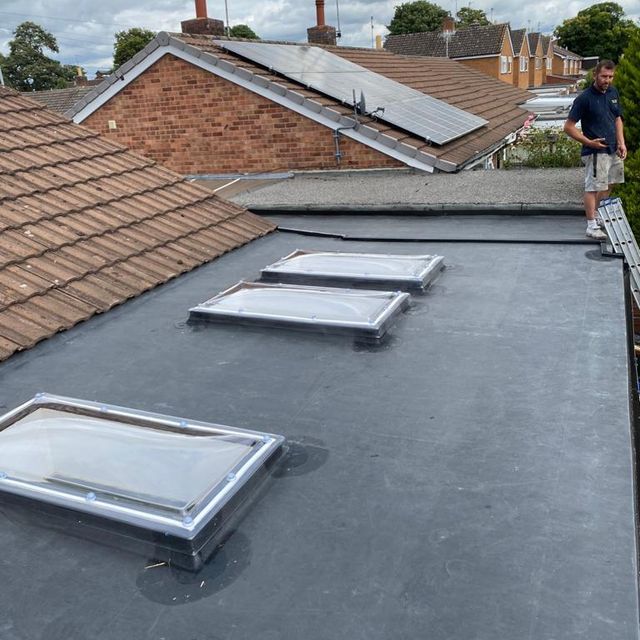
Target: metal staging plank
x=318 y=69
x=622 y=239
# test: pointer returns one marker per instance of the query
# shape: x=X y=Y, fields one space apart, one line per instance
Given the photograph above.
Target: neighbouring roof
x=546 y=41
x=85 y=224
x=464 y=43
x=447 y=80
x=565 y=53
x=517 y=38
x=534 y=39
x=60 y=100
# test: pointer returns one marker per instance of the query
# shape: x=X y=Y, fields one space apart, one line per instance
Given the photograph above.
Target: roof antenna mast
x=339 y=30
x=226 y=11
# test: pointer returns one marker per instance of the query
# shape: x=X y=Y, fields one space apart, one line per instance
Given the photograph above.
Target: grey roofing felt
x=516 y=187
x=471 y=478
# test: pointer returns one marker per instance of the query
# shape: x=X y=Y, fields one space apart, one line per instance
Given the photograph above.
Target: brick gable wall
x=195 y=122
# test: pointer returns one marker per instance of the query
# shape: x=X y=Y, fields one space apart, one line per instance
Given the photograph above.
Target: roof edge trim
x=309 y=108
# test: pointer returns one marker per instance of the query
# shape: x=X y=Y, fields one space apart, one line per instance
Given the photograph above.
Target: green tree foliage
x=243 y=31
x=128 y=43
x=599 y=30
x=627 y=81
x=27 y=68
x=468 y=16
x=414 y=17
x=544 y=148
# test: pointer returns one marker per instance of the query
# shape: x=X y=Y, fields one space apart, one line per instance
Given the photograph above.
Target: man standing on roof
x=602 y=137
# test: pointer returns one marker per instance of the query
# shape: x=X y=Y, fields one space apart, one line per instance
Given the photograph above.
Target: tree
x=27 y=68
x=414 y=17
x=600 y=30
x=468 y=16
x=627 y=81
x=243 y=31
x=128 y=43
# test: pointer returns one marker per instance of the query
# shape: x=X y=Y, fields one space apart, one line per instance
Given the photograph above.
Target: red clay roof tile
x=86 y=225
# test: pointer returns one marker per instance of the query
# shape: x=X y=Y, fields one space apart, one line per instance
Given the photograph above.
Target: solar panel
x=407 y=108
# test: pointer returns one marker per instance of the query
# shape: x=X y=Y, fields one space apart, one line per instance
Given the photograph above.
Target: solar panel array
x=404 y=107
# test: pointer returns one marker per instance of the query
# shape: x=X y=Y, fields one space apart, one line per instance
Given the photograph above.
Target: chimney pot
x=320 y=13
x=201 y=8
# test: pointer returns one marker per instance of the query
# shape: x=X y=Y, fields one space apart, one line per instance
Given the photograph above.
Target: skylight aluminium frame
x=390 y=304
x=186 y=532
x=426 y=269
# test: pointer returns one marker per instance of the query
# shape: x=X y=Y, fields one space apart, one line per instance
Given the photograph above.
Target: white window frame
x=549 y=63
x=524 y=64
x=504 y=64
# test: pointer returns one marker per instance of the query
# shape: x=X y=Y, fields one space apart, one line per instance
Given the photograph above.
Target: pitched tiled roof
x=546 y=40
x=565 y=53
x=441 y=78
x=60 y=100
x=472 y=41
x=85 y=224
x=517 y=38
x=534 y=39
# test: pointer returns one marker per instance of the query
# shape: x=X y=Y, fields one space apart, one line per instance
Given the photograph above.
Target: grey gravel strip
x=545 y=188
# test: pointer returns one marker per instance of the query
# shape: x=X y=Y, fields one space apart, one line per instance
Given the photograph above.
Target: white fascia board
x=369 y=136
x=490 y=55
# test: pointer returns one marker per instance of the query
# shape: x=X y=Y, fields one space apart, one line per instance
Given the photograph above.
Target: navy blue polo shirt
x=597 y=112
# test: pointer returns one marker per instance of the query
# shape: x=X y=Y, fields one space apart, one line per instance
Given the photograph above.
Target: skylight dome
x=138 y=471
x=363 y=313
x=362 y=269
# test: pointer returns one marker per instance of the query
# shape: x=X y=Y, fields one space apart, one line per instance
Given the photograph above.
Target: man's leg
x=593 y=193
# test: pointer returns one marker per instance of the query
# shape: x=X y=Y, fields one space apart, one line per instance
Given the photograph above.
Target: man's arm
x=622 y=147
x=573 y=132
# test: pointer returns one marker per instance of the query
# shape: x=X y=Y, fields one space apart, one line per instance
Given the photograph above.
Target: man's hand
x=597 y=143
x=622 y=150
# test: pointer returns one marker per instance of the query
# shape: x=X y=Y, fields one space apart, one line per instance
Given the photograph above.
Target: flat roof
x=399 y=189
x=471 y=477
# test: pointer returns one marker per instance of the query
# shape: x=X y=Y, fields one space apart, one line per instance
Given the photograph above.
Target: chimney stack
x=201 y=24
x=321 y=33
x=448 y=24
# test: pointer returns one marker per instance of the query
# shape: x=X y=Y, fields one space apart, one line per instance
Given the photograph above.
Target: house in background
x=485 y=48
x=536 y=60
x=547 y=48
x=193 y=104
x=566 y=63
x=520 y=58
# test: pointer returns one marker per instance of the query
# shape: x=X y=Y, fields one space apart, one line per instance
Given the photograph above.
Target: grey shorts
x=601 y=170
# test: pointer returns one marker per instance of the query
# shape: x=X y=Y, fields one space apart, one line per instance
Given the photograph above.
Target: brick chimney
x=321 y=33
x=202 y=24
x=448 y=24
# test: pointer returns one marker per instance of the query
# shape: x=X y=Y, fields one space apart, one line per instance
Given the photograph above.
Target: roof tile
x=86 y=225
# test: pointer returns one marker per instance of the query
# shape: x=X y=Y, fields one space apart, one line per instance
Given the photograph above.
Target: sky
x=85 y=29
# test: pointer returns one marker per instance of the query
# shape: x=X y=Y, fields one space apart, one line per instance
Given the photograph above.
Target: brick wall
x=195 y=122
